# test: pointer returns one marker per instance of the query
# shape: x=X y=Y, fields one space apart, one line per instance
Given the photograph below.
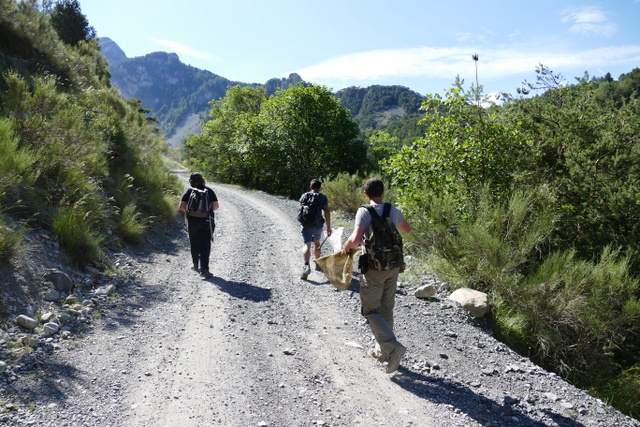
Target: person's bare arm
x=354 y=240
x=404 y=226
x=327 y=218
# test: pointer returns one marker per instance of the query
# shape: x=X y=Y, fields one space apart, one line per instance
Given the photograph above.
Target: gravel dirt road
x=257 y=346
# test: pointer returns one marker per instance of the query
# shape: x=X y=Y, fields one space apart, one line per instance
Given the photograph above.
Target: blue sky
x=420 y=44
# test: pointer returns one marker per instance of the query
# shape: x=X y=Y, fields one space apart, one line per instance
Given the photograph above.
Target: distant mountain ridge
x=178 y=94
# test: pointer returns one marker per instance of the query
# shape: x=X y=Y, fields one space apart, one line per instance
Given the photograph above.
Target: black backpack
x=198 y=203
x=310 y=211
x=383 y=247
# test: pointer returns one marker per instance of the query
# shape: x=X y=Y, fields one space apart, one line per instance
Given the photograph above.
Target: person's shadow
x=242 y=290
x=479 y=408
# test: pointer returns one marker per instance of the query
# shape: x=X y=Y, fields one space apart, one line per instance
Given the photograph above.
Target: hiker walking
x=377 y=224
x=198 y=204
x=310 y=215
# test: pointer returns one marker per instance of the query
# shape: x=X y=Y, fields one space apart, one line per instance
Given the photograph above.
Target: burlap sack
x=338 y=267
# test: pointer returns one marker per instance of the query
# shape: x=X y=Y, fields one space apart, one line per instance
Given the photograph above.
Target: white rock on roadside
x=473 y=301
x=426 y=291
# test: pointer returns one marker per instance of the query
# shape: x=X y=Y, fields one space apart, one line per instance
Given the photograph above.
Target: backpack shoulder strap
x=371 y=210
x=386 y=210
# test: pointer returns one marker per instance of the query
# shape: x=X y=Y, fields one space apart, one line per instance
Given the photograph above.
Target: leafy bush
x=345 y=192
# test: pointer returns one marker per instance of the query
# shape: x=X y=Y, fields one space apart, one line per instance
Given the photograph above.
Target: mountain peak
x=111 y=51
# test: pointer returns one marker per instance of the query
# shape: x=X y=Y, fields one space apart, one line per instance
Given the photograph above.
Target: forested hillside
x=177 y=94
x=172 y=90
x=77 y=159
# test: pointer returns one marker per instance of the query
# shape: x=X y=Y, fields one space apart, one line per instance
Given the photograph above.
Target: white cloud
x=444 y=63
x=186 y=50
x=589 y=20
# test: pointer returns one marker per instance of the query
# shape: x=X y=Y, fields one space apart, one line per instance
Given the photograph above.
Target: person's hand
x=329 y=231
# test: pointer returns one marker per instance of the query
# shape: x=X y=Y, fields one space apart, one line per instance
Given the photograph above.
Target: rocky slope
x=156 y=345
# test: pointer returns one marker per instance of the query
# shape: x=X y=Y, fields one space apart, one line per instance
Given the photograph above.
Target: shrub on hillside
x=346 y=194
x=74 y=230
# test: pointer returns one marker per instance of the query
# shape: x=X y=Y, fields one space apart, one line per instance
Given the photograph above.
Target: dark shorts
x=311 y=234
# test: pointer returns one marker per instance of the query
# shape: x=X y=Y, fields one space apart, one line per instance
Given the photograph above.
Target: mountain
x=376 y=105
x=178 y=95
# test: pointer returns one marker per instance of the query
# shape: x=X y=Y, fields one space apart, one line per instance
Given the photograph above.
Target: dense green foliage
x=536 y=203
x=77 y=158
x=277 y=143
x=70 y=24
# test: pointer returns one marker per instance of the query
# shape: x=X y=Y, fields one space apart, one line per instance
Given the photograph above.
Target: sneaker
x=305 y=272
x=395 y=358
x=195 y=268
x=206 y=274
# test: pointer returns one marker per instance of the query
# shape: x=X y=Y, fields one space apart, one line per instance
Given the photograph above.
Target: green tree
x=70 y=24
x=222 y=149
x=464 y=149
x=300 y=133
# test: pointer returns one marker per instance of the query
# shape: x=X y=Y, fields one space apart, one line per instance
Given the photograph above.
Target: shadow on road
x=478 y=407
x=242 y=290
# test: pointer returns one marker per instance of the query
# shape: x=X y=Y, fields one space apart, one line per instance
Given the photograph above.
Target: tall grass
x=74 y=229
x=131 y=225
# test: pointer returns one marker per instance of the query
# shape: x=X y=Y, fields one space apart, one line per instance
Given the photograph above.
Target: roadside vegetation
x=77 y=159
x=534 y=201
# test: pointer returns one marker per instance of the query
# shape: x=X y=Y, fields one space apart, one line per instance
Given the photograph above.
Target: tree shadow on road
x=480 y=408
x=242 y=290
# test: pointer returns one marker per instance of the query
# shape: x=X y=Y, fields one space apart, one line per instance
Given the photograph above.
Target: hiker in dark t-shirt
x=200 y=229
x=311 y=235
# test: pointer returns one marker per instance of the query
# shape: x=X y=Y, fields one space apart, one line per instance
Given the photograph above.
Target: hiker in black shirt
x=200 y=226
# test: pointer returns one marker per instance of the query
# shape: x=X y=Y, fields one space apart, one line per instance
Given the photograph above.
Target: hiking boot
x=206 y=274
x=395 y=358
x=305 y=272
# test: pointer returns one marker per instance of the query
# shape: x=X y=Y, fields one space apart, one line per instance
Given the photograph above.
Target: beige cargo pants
x=378 y=297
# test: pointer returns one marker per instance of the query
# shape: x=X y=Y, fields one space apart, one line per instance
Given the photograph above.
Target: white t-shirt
x=363 y=217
